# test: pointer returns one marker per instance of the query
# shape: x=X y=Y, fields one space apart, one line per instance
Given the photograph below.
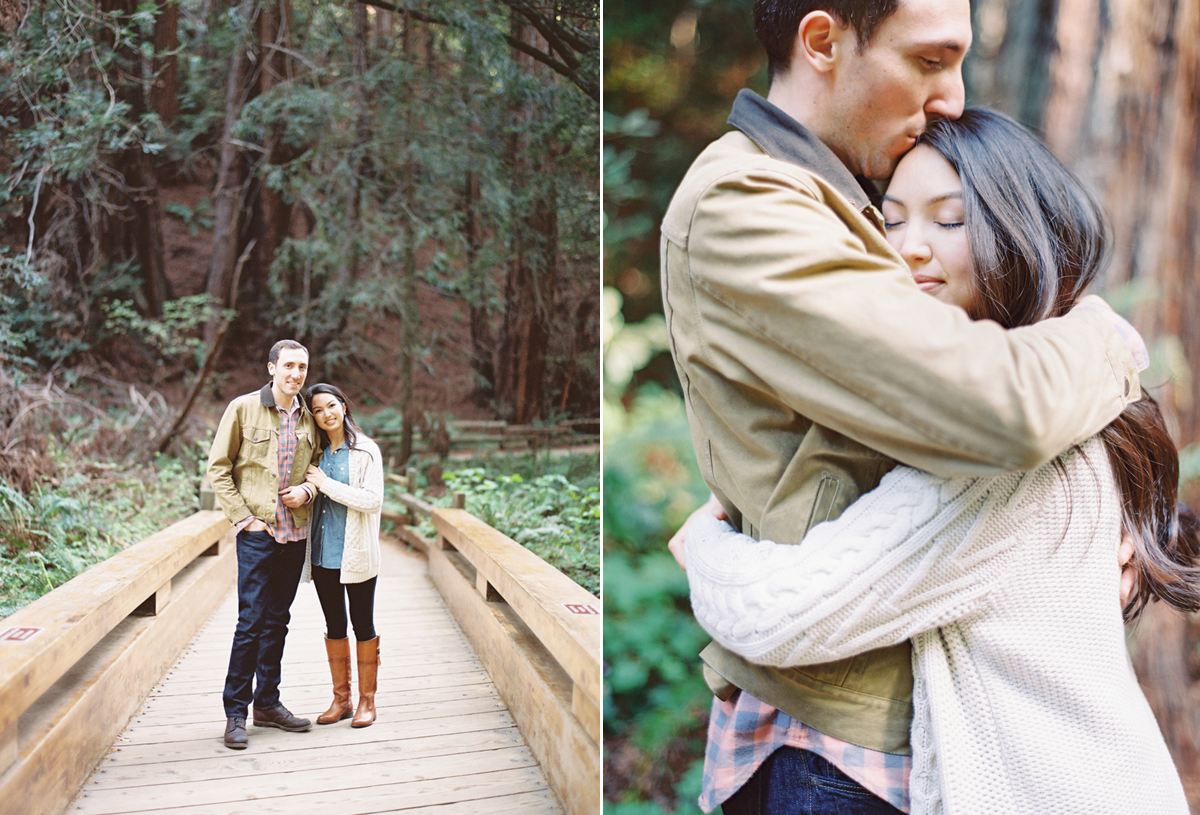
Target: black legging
x=333 y=593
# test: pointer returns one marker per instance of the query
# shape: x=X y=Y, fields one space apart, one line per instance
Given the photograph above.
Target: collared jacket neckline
x=781 y=137
x=266 y=397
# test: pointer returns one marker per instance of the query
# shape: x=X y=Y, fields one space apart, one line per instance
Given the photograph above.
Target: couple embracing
x=303 y=487
x=915 y=394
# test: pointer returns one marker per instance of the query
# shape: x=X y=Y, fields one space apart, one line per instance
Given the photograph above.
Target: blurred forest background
x=1114 y=88
x=411 y=189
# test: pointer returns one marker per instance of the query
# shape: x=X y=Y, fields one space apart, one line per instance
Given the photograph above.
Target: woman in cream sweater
x=343 y=541
x=1024 y=697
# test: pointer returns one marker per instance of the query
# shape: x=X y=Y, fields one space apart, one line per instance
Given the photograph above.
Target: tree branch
x=562 y=33
x=584 y=83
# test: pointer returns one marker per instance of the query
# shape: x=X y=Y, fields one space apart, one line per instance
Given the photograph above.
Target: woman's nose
x=915 y=248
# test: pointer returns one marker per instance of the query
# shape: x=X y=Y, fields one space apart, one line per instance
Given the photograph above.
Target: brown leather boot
x=368 y=670
x=339 y=666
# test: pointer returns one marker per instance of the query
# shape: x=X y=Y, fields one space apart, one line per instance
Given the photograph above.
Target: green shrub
x=58 y=531
x=655 y=700
x=551 y=506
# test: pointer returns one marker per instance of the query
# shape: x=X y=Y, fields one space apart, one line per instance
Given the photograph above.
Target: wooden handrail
x=50 y=740
x=537 y=633
x=74 y=617
x=560 y=612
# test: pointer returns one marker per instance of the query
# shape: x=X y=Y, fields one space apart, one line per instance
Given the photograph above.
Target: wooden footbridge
x=488 y=702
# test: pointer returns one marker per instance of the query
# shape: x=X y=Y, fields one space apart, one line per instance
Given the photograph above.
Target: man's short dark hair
x=777 y=21
x=273 y=357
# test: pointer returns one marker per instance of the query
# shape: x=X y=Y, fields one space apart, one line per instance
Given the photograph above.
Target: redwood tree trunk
x=164 y=93
x=269 y=217
x=230 y=189
x=408 y=284
x=133 y=231
x=530 y=283
x=482 y=344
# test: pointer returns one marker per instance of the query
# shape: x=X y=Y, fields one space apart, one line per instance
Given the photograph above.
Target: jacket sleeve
x=366 y=498
x=910 y=556
x=221 y=456
x=794 y=303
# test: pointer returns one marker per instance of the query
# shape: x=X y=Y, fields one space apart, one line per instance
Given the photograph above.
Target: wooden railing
x=537 y=633
x=481 y=435
x=77 y=663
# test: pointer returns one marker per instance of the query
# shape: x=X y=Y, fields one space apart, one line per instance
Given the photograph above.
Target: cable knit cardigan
x=1024 y=697
x=363 y=497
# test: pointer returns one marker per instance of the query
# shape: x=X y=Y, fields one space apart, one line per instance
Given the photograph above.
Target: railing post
x=8 y=748
x=153 y=605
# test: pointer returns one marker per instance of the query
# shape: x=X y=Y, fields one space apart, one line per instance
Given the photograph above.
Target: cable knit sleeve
x=914 y=554
x=368 y=497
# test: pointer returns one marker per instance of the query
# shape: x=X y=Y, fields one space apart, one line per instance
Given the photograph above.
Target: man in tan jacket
x=810 y=363
x=256 y=465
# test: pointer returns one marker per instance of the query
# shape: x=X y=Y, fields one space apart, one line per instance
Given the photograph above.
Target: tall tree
x=232 y=172
x=164 y=90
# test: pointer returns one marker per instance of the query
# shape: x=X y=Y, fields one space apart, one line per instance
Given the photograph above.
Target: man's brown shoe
x=282 y=718
x=235 y=733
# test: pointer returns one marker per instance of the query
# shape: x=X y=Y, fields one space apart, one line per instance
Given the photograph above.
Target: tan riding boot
x=339 y=667
x=368 y=670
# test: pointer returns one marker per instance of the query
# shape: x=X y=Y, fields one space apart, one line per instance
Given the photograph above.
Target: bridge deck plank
x=443 y=743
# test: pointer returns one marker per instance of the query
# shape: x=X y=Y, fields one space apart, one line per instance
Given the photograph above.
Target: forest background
x=409 y=189
x=1113 y=86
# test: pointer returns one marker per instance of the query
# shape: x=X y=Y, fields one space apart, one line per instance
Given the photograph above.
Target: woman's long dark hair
x=351 y=428
x=1037 y=240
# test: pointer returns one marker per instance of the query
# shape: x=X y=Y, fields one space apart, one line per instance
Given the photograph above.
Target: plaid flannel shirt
x=744 y=731
x=284 y=529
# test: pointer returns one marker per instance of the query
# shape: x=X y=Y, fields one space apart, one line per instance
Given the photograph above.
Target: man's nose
x=949 y=96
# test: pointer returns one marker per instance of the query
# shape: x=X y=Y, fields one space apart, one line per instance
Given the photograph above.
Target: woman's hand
x=712 y=507
x=315 y=476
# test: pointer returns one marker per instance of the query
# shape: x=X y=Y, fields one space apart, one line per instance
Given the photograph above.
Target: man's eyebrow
x=954 y=46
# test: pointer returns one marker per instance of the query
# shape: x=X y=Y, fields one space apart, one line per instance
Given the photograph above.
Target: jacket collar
x=780 y=136
x=267 y=398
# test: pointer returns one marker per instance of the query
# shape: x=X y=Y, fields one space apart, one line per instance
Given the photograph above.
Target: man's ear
x=820 y=40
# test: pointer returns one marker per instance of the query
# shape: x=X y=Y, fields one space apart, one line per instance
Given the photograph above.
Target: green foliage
x=169 y=335
x=377 y=152
x=655 y=699
x=551 y=506
x=671 y=71
x=628 y=348
x=50 y=536
x=60 y=143
x=19 y=324
x=194 y=219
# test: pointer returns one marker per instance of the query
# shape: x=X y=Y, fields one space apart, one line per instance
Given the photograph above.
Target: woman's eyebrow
x=935 y=200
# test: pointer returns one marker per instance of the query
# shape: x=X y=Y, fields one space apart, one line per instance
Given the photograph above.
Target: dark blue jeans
x=268 y=575
x=797 y=782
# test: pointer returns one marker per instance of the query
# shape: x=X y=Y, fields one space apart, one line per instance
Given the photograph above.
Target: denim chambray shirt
x=329 y=524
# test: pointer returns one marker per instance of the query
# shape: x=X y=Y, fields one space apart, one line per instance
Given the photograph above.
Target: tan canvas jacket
x=244 y=457
x=810 y=363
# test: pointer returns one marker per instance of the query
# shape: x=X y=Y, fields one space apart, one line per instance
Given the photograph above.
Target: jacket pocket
x=305 y=443
x=257 y=435
x=823 y=503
